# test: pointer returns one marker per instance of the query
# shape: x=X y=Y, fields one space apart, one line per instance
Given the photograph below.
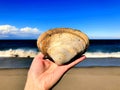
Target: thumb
x=76 y=62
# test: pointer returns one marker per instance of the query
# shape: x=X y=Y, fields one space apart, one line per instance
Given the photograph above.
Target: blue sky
x=27 y=19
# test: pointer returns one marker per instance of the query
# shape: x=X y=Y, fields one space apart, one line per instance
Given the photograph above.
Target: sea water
x=28 y=48
x=18 y=48
x=20 y=53
x=104 y=48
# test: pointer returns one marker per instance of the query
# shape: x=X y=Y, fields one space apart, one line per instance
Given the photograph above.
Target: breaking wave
x=33 y=53
x=18 y=53
x=102 y=55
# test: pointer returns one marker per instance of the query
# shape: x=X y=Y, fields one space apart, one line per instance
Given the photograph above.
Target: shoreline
x=16 y=62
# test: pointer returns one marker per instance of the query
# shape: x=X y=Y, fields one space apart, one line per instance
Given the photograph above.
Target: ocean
x=100 y=53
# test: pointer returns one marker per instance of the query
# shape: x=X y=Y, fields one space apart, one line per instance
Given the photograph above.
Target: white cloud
x=4 y=29
x=29 y=30
x=12 y=32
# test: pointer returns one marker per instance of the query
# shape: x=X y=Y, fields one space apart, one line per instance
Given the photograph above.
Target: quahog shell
x=62 y=44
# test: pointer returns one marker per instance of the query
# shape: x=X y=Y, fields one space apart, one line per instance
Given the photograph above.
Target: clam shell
x=62 y=44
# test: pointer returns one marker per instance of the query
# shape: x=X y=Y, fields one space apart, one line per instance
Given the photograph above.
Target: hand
x=43 y=73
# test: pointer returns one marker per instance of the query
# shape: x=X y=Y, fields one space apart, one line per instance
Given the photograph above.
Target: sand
x=91 y=79
x=94 y=78
x=12 y=79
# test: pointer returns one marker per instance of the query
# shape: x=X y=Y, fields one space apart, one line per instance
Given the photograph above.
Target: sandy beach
x=93 y=78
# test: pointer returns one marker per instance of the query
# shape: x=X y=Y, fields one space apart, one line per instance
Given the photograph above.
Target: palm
x=47 y=73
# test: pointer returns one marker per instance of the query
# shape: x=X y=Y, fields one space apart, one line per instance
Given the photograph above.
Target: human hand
x=43 y=73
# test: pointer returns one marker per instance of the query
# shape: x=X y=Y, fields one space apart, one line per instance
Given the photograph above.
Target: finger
x=76 y=62
x=39 y=56
x=37 y=62
x=37 y=59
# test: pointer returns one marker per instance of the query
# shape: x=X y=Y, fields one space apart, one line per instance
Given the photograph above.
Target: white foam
x=18 y=53
x=33 y=53
x=102 y=55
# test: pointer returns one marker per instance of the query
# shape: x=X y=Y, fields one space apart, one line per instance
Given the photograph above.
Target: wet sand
x=92 y=78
